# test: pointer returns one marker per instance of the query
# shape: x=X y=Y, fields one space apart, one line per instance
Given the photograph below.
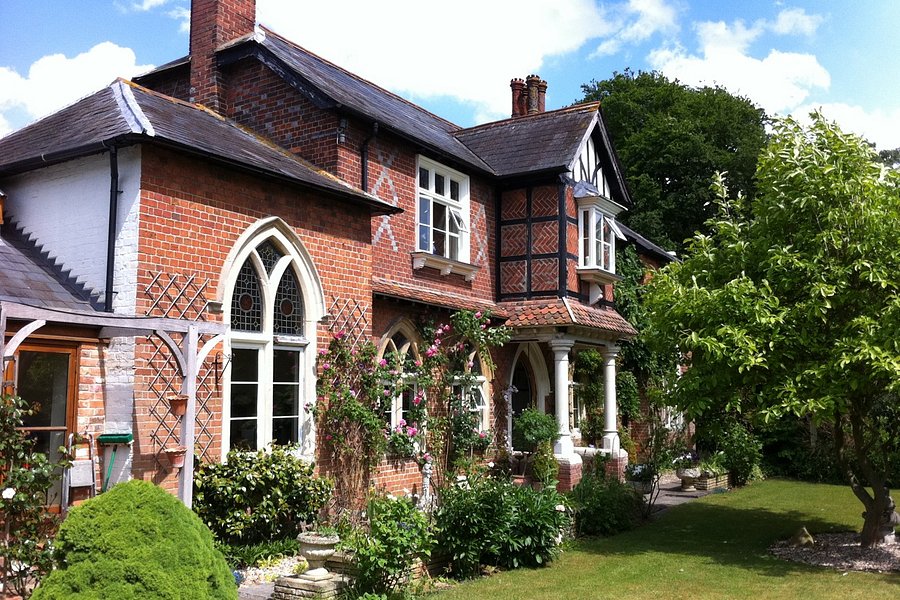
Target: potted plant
x=687 y=468
x=713 y=473
x=176 y=456
x=640 y=476
x=177 y=404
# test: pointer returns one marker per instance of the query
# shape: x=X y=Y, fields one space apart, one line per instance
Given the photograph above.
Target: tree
x=791 y=304
x=671 y=139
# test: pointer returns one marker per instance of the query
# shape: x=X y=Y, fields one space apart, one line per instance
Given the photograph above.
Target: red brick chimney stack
x=518 y=97
x=214 y=22
x=528 y=96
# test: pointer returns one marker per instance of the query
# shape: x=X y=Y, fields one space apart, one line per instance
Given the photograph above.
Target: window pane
x=423 y=178
x=243 y=399
x=244 y=364
x=243 y=434
x=44 y=384
x=285 y=431
x=454 y=248
x=454 y=190
x=246 y=301
x=440 y=216
x=288 y=306
x=287 y=366
x=285 y=400
x=269 y=255
x=438 y=184
x=424 y=236
x=439 y=247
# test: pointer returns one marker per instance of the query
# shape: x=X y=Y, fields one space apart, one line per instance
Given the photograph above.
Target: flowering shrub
x=639 y=472
x=25 y=478
x=385 y=549
x=404 y=440
x=353 y=391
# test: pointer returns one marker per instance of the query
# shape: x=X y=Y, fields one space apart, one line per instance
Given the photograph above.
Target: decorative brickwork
x=513 y=205
x=513 y=239
x=545 y=237
x=512 y=277
x=544 y=274
x=544 y=201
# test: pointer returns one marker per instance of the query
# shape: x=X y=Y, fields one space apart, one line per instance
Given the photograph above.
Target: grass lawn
x=710 y=548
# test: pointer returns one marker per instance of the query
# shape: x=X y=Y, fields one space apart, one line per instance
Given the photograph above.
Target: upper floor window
x=443 y=211
x=597 y=236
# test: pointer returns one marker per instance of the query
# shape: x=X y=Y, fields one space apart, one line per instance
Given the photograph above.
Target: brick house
x=205 y=229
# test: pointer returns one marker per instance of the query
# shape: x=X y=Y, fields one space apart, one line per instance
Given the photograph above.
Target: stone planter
x=317 y=549
x=641 y=487
x=711 y=481
x=689 y=477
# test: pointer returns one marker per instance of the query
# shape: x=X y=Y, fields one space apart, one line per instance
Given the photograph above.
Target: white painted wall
x=66 y=208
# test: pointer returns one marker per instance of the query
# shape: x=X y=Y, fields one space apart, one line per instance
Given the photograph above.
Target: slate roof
x=126 y=113
x=565 y=311
x=646 y=245
x=532 y=143
x=425 y=295
x=341 y=88
x=28 y=277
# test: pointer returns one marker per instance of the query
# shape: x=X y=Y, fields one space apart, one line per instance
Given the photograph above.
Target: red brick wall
x=192 y=212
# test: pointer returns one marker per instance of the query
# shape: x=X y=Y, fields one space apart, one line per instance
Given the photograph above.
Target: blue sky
x=456 y=58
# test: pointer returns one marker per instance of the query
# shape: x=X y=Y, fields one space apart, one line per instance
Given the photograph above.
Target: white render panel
x=65 y=208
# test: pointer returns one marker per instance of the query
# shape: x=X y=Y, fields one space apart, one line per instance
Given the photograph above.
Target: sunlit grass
x=715 y=547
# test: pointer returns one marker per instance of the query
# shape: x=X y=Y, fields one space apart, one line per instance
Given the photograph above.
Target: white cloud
x=796 y=21
x=640 y=20
x=146 y=5
x=468 y=51
x=881 y=127
x=778 y=82
x=183 y=14
x=55 y=80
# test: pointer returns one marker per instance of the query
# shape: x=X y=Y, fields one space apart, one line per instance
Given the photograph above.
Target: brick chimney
x=528 y=96
x=214 y=22
x=518 y=97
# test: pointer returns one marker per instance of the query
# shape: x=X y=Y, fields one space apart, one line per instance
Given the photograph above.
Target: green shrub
x=531 y=428
x=253 y=498
x=495 y=522
x=384 y=553
x=544 y=466
x=742 y=452
x=604 y=506
x=26 y=477
x=136 y=541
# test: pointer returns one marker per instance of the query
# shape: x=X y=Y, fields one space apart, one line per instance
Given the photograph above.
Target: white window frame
x=411 y=347
x=266 y=341
x=597 y=251
x=457 y=210
x=477 y=385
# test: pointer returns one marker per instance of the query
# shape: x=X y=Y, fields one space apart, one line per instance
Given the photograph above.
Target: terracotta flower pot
x=176 y=456
x=177 y=404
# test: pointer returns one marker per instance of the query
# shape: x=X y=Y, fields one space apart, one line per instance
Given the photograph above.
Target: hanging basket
x=176 y=456
x=177 y=404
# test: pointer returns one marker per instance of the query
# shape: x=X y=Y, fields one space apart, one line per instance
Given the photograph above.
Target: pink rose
x=478 y=315
x=382 y=362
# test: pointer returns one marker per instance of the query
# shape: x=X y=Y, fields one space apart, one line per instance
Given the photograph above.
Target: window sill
x=597 y=275
x=445 y=265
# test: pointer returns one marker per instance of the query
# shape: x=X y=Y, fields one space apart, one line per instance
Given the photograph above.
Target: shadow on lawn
x=725 y=535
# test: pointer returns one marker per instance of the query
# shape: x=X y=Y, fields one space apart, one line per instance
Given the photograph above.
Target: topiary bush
x=604 y=506
x=136 y=541
x=531 y=428
x=253 y=498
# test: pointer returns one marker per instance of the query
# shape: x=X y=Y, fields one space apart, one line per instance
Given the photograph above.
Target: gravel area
x=841 y=551
x=269 y=573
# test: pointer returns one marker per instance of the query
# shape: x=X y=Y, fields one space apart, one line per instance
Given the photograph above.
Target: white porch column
x=561 y=347
x=610 y=410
